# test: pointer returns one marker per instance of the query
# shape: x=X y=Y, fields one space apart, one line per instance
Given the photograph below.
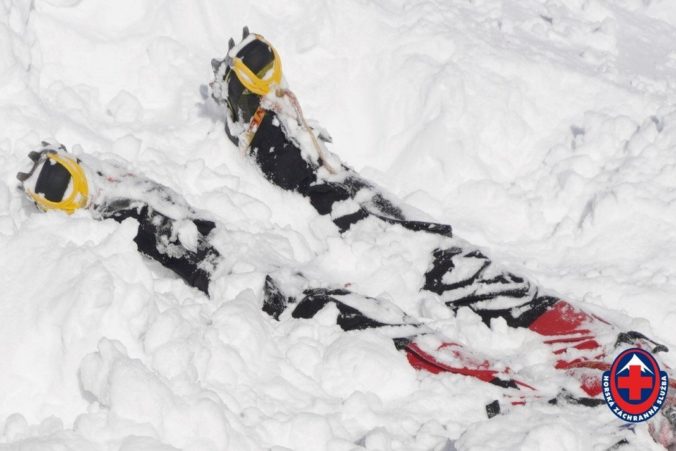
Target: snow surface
x=543 y=130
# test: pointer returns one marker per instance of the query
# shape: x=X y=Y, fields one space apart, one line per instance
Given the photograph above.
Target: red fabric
x=561 y=319
x=422 y=360
x=570 y=326
x=567 y=327
x=587 y=372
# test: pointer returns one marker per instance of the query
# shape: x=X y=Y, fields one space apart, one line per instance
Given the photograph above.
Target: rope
x=323 y=157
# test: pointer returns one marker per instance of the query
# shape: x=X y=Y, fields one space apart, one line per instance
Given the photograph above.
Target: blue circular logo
x=634 y=388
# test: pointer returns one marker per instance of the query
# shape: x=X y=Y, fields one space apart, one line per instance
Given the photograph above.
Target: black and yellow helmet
x=56 y=181
x=250 y=70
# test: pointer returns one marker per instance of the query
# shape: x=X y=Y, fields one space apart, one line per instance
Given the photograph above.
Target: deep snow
x=544 y=131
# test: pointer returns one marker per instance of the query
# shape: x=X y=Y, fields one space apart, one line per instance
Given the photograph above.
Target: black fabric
x=204 y=226
x=386 y=208
x=401 y=343
x=241 y=102
x=568 y=398
x=323 y=196
x=527 y=313
x=442 y=264
x=314 y=300
x=493 y=409
x=279 y=158
x=256 y=55
x=247 y=102
x=345 y=222
x=154 y=228
x=496 y=291
x=379 y=205
x=484 y=288
x=52 y=181
x=282 y=163
x=233 y=138
x=504 y=383
x=420 y=226
x=631 y=337
x=349 y=318
x=274 y=302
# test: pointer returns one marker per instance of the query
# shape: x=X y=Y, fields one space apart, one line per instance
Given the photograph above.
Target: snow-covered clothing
x=293 y=156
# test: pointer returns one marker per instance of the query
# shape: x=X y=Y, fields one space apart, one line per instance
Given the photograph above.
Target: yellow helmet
x=57 y=181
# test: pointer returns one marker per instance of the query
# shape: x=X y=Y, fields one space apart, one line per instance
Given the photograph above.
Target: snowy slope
x=544 y=131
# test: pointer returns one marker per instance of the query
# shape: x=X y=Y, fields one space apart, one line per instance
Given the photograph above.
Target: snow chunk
x=366 y=362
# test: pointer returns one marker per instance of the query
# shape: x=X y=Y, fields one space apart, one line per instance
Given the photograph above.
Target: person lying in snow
x=179 y=238
x=265 y=121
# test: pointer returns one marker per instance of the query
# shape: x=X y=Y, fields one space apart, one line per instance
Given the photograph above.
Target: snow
x=635 y=361
x=543 y=130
